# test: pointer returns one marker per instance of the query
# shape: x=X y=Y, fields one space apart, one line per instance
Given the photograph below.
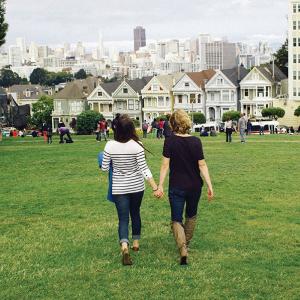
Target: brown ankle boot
x=189 y=228
x=180 y=239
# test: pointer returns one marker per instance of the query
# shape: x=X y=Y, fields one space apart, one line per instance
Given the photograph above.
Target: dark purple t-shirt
x=184 y=154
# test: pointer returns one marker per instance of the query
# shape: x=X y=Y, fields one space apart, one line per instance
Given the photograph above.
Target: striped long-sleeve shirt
x=129 y=166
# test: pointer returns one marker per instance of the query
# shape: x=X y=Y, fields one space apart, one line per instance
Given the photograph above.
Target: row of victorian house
x=210 y=92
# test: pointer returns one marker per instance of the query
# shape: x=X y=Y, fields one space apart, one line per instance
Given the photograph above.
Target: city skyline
x=161 y=21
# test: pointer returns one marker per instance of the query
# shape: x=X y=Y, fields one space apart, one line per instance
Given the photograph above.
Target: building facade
x=139 y=34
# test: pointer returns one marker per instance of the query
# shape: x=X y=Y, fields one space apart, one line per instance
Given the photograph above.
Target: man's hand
x=159 y=193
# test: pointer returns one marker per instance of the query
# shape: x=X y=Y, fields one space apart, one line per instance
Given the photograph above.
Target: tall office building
x=15 y=56
x=294 y=49
x=139 y=34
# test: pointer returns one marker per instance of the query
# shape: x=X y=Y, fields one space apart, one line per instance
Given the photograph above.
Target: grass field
x=58 y=233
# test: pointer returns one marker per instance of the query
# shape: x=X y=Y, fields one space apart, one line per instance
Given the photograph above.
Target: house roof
x=267 y=71
x=168 y=81
x=35 y=89
x=138 y=84
x=236 y=74
x=110 y=87
x=200 y=78
x=78 y=89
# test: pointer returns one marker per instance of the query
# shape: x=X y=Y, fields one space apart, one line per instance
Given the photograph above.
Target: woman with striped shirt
x=127 y=156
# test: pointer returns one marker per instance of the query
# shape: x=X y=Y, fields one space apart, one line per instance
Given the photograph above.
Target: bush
x=163 y=117
x=136 y=123
x=198 y=118
x=87 y=122
x=297 y=112
x=232 y=114
x=275 y=112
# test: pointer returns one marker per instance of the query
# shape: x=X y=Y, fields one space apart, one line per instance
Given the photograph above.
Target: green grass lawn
x=58 y=233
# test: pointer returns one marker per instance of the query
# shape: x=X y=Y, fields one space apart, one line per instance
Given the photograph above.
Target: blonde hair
x=180 y=122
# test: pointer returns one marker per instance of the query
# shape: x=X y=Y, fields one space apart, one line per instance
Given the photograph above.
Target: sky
x=54 y=22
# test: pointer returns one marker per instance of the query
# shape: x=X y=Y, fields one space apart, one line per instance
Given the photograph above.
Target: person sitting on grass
x=183 y=155
x=127 y=156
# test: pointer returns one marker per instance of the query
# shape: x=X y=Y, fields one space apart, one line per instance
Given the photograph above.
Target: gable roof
x=78 y=89
x=168 y=81
x=36 y=90
x=138 y=84
x=200 y=78
x=110 y=87
x=267 y=71
x=235 y=75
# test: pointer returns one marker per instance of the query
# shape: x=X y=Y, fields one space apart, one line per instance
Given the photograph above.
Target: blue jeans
x=243 y=135
x=129 y=204
x=178 y=198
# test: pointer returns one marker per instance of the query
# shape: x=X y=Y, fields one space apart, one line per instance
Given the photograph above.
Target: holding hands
x=159 y=193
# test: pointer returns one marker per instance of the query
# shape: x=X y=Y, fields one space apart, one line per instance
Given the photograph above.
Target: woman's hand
x=210 y=193
x=159 y=193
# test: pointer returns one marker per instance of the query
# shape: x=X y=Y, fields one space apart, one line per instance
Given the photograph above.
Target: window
x=180 y=99
x=267 y=91
x=246 y=93
x=192 y=98
x=299 y=25
x=299 y=42
x=294 y=8
x=99 y=94
x=27 y=94
x=137 y=104
x=294 y=25
x=298 y=58
x=212 y=96
x=295 y=75
x=155 y=88
x=298 y=7
x=295 y=58
x=161 y=101
x=119 y=104
x=125 y=90
x=260 y=92
x=149 y=102
x=199 y=99
x=167 y=101
x=186 y=84
x=130 y=104
x=76 y=106
x=298 y=75
x=225 y=96
x=58 y=105
x=299 y=92
x=295 y=92
x=110 y=108
x=220 y=81
x=294 y=42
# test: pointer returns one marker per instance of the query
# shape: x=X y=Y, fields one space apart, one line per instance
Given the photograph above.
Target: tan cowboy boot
x=180 y=239
x=189 y=228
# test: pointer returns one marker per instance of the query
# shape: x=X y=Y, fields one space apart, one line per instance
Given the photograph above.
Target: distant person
x=242 y=126
x=145 y=127
x=34 y=133
x=249 y=127
x=167 y=129
x=44 y=131
x=204 y=132
x=212 y=132
x=183 y=157
x=154 y=127
x=298 y=131
x=261 y=128
x=49 y=134
x=73 y=124
x=103 y=129
x=61 y=124
x=107 y=130
x=228 y=130
x=292 y=130
x=127 y=157
x=1 y=136
x=62 y=132
x=160 y=128
x=115 y=122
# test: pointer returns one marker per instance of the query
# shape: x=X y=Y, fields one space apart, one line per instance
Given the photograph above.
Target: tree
x=57 y=78
x=232 y=114
x=297 y=112
x=42 y=111
x=136 y=123
x=81 y=74
x=39 y=76
x=24 y=81
x=282 y=57
x=9 y=78
x=87 y=122
x=273 y=112
x=198 y=118
x=3 y=24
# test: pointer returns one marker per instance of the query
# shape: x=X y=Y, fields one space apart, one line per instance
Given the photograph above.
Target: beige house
x=72 y=100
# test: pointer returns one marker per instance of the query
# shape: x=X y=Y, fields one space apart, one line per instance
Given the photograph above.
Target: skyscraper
x=294 y=49
x=139 y=34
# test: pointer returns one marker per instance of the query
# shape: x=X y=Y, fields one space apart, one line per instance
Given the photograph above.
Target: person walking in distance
x=127 y=156
x=103 y=129
x=160 y=128
x=183 y=156
x=98 y=131
x=228 y=130
x=242 y=126
x=115 y=122
x=145 y=127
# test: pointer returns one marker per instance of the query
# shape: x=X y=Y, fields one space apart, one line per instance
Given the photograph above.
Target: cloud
x=59 y=21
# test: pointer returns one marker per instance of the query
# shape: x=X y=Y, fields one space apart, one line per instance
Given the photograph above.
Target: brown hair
x=180 y=122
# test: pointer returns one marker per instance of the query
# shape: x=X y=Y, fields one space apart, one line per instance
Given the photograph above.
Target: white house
x=189 y=91
x=260 y=88
x=222 y=92
x=158 y=95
